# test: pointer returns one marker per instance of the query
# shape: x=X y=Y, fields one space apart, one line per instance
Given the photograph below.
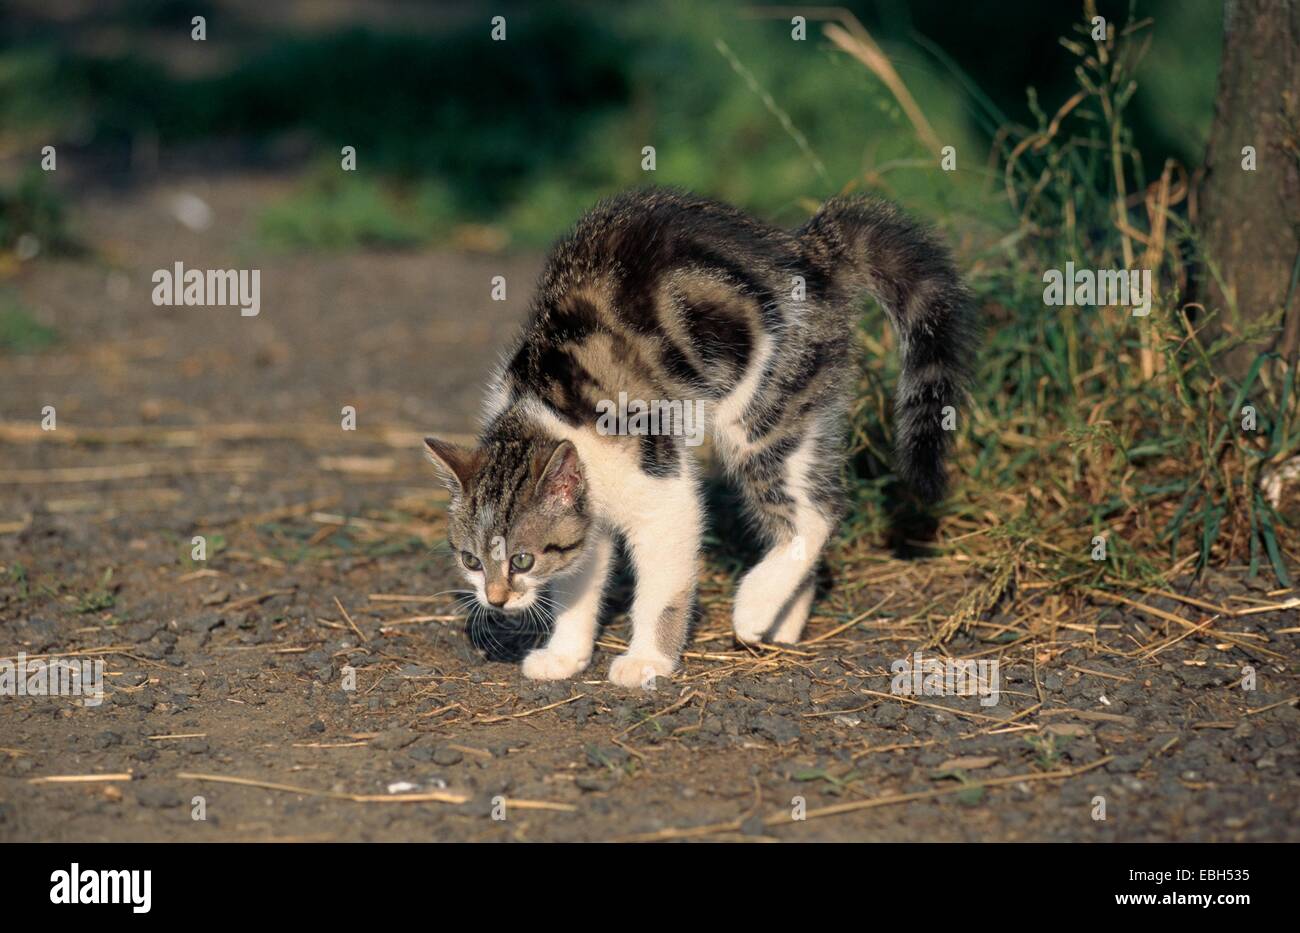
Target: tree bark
x=1250 y=220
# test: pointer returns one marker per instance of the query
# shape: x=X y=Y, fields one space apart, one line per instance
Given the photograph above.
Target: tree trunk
x=1250 y=220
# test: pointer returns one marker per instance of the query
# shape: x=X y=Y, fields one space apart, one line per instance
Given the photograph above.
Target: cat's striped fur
x=663 y=295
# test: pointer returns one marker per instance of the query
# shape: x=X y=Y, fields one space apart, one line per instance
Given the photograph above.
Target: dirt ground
x=325 y=554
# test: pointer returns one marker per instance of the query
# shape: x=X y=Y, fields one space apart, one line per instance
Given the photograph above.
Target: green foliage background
x=1084 y=422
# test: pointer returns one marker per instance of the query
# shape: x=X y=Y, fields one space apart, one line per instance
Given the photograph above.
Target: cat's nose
x=497 y=594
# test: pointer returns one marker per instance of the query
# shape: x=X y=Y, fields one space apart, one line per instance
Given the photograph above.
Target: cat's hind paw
x=750 y=621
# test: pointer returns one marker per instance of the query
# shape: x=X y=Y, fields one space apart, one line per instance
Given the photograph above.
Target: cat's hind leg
x=794 y=491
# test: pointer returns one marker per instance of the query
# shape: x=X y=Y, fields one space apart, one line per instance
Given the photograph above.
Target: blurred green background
x=1083 y=419
x=516 y=138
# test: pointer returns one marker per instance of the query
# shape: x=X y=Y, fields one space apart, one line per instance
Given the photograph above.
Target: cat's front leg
x=664 y=542
x=577 y=613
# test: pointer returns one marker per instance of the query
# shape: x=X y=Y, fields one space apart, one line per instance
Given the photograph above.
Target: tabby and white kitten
x=666 y=296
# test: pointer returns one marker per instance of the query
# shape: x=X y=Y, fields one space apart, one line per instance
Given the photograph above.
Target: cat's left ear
x=561 y=480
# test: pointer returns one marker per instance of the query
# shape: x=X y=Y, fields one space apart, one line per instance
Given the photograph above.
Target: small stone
x=917 y=721
x=1126 y=764
x=594 y=782
x=157 y=795
x=606 y=756
x=445 y=757
x=392 y=739
x=888 y=715
x=141 y=631
x=216 y=597
x=780 y=730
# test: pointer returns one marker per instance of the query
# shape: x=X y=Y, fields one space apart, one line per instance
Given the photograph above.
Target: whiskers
x=504 y=637
x=539 y=618
x=479 y=625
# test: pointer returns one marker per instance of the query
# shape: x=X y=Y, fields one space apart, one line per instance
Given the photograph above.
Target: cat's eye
x=522 y=562
x=470 y=561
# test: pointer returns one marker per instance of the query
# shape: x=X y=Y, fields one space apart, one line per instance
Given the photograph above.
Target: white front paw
x=628 y=670
x=545 y=664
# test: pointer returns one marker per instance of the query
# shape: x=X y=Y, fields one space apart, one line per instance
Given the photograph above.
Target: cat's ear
x=454 y=463
x=561 y=480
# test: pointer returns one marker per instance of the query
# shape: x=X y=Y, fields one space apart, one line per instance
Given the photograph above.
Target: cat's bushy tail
x=870 y=245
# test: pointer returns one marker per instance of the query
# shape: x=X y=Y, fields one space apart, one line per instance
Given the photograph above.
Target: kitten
x=661 y=295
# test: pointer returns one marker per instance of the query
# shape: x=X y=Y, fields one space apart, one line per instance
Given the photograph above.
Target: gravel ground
x=201 y=422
